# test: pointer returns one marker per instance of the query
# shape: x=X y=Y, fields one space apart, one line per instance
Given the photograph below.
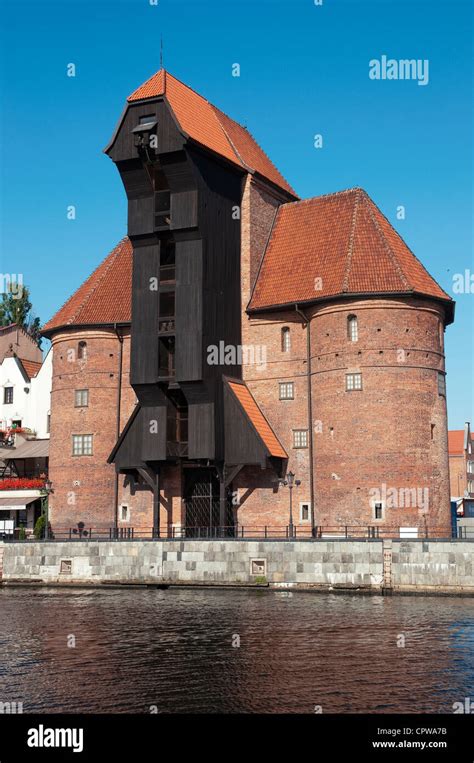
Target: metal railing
x=251 y=532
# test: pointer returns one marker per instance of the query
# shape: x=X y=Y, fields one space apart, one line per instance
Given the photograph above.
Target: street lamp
x=290 y=482
x=48 y=489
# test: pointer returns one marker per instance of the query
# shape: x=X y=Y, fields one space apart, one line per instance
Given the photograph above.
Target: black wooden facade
x=184 y=225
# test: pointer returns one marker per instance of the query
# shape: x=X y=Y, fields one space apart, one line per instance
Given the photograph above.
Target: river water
x=201 y=650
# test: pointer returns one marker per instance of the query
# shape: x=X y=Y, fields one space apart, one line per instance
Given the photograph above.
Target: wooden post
x=222 y=503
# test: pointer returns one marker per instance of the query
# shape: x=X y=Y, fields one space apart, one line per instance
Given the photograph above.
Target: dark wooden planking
x=144 y=334
x=189 y=311
x=169 y=137
x=242 y=443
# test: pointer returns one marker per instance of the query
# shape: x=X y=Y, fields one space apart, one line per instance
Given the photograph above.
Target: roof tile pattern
x=261 y=425
x=104 y=298
x=334 y=245
x=31 y=367
x=209 y=127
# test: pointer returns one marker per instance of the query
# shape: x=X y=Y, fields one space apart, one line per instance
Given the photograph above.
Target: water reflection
x=176 y=650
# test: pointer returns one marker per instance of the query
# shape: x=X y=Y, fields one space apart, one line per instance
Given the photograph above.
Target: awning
x=15 y=504
x=28 y=449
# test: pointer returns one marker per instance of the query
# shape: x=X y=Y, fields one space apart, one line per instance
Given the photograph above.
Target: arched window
x=285 y=339
x=82 y=350
x=352 y=328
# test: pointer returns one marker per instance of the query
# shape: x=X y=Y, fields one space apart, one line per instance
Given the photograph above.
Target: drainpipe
x=310 y=410
x=119 y=401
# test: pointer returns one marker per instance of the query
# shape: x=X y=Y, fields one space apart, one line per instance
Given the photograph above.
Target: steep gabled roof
x=104 y=298
x=339 y=244
x=210 y=127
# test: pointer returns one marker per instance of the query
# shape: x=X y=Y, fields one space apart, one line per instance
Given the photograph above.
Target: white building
x=25 y=395
x=25 y=401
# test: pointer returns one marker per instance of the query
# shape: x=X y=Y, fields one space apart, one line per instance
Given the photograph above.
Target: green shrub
x=38 y=532
x=22 y=533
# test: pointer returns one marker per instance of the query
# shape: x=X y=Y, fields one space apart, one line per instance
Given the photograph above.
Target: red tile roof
x=104 y=298
x=209 y=127
x=456 y=442
x=261 y=425
x=31 y=367
x=345 y=241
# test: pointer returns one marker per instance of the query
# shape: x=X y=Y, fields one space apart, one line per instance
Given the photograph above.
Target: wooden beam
x=229 y=476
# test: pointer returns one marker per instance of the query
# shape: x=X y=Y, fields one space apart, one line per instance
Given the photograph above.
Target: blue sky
x=304 y=70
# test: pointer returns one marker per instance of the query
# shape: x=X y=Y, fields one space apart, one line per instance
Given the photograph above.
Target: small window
x=48 y=423
x=82 y=445
x=147 y=119
x=167 y=264
x=166 y=357
x=124 y=513
x=287 y=391
x=167 y=304
x=470 y=467
x=81 y=398
x=441 y=384
x=300 y=438
x=16 y=423
x=285 y=339
x=305 y=511
x=353 y=382
x=378 y=511
x=8 y=395
x=352 y=328
x=82 y=350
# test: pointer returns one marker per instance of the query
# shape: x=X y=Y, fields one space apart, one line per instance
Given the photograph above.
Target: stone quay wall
x=365 y=565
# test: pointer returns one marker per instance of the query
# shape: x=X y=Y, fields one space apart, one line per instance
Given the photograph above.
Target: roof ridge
x=409 y=249
x=386 y=244
x=313 y=199
x=232 y=144
x=350 y=251
x=89 y=292
x=252 y=137
x=115 y=251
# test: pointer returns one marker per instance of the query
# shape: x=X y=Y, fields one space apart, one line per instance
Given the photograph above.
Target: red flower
x=21 y=483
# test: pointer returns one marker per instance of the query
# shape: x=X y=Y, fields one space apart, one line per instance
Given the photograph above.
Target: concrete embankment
x=412 y=566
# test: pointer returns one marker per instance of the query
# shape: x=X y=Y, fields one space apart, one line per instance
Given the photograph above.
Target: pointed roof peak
x=343 y=243
x=210 y=127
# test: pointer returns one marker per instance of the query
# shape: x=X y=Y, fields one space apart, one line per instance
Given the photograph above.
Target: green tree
x=16 y=307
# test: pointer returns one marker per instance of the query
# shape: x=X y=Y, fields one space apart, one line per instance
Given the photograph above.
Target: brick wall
x=393 y=433
x=84 y=486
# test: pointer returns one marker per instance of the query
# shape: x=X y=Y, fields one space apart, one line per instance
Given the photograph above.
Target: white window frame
x=352 y=380
x=79 y=395
x=285 y=386
x=300 y=434
x=79 y=439
x=308 y=504
x=122 y=507
x=285 y=339
x=352 y=328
